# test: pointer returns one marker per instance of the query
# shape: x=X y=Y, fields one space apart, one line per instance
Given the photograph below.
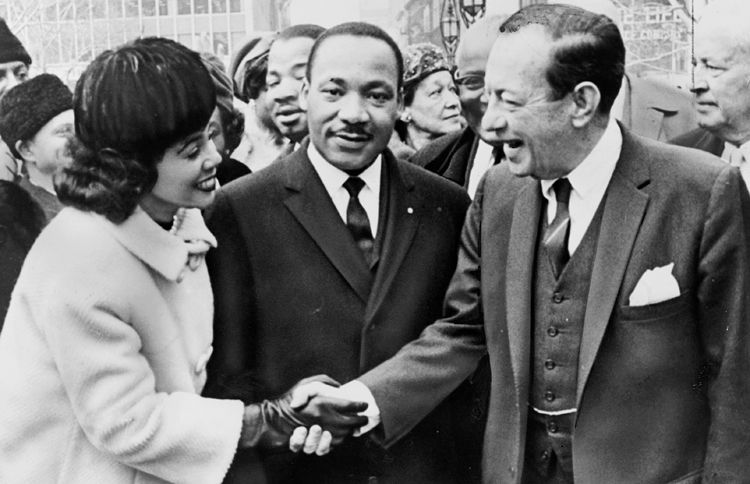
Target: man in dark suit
x=309 y=278
x=722 y=69
x=607 y=275
x=465 y=155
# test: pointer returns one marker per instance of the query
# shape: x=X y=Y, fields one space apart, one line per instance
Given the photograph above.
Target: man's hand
x=271 y=423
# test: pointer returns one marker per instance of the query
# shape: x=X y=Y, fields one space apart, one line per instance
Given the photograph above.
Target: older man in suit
x=607 y=275
x=647 y=107
x=722 y=70
x=333 y=258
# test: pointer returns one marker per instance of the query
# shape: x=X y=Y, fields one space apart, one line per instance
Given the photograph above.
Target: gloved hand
x=270 y=423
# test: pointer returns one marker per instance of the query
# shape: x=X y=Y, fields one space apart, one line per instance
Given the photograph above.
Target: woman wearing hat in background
x=36 y=123
x=431 y=105
x=105 y=343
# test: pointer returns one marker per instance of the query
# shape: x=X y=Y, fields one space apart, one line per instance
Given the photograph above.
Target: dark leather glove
x=270 y=423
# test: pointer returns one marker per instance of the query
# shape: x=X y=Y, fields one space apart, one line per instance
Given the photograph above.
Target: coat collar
x=168 y=253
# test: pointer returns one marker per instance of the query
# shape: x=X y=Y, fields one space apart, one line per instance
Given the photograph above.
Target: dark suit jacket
x=701 y=139
x=662 y=388
x=294 y=298
x=449 y=156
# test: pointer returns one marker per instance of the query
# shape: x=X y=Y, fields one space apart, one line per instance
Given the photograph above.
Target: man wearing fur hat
x=36 y=123
x=14 y=69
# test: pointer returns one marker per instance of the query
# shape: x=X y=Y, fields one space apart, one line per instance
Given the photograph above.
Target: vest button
x=557 y=297
x=552 y=331
x=549 y=364
x=552 y=427
x=549 y=396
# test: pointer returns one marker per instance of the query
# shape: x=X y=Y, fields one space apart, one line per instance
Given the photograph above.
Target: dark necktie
x=556 y=234
x=356 y=218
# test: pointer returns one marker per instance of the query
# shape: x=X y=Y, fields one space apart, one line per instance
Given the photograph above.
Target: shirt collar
x=166 y=252
x=596 y=169
x=333 y=178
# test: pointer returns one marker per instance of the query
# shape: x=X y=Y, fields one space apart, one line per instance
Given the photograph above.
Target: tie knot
x=353 y=185
x=562 y=190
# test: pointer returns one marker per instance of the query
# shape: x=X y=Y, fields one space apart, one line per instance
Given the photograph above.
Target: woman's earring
x=406 y=117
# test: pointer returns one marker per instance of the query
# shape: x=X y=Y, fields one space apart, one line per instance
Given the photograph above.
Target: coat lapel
x=401 y=222
x=311 y=205
x=519 y=280
x=624 y=207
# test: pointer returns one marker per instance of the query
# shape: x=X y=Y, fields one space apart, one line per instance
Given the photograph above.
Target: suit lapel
x=624 y=207
x=519 y=280
x=311 y=205
x=401 y=222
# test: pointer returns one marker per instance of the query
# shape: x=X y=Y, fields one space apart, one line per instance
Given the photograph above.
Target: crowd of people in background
x=341 y=261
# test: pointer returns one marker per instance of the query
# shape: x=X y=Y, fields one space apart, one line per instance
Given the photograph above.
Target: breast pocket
x=658 y=311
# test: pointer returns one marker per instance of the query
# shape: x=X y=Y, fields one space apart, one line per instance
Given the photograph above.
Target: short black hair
x=587 y=47
x=131 y=104
x=359 y=29
x=311 y=31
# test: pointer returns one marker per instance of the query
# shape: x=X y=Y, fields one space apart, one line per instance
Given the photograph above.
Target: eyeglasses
x=472 y=82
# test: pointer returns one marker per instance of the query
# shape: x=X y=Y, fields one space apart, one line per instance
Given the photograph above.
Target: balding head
x=722 y=70
x=478 y=39
x=471 y=61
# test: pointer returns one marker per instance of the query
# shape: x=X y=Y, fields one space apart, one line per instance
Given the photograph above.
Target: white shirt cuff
x=357 y=391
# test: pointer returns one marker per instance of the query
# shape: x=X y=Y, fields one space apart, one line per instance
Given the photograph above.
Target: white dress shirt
x=333 y=180
x=483 y=161
x=729 y=155
x=589 y=181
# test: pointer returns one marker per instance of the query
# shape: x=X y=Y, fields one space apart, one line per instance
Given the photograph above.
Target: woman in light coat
x=104 y=349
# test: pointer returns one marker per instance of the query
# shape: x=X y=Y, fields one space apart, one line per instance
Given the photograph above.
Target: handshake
x=312 y=417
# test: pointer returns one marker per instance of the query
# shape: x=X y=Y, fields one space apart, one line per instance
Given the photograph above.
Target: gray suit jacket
x=661 y=388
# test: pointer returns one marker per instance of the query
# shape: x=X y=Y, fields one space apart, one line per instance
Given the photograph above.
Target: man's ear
x=586 y=98
x=24 y=149
x=303 y=93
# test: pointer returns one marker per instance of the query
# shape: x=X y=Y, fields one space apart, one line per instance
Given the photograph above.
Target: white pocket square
x=654 y=286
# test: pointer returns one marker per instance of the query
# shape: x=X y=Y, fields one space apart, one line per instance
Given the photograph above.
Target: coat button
x=549 y=364
x=557 y=297
x=545 y=455
x=200 y=365
x=552 y=331
x=552 y=427
x=549 y=396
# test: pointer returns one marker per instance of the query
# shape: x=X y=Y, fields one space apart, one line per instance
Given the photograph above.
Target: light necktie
x=356 y=218
x=556 y=234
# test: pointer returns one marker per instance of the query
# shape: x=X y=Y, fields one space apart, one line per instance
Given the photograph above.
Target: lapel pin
x=409 y=210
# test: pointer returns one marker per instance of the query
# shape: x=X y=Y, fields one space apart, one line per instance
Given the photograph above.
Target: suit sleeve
x=724 y=303
x=412 y=383
x=229 y=368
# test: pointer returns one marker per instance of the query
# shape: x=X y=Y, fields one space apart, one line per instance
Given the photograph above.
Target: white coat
x=103 y=356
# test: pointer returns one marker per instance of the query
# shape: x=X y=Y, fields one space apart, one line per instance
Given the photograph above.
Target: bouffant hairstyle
x=131 y=104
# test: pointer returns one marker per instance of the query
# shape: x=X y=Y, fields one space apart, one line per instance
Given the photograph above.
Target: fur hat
x=11 y=49
x=27 y=107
